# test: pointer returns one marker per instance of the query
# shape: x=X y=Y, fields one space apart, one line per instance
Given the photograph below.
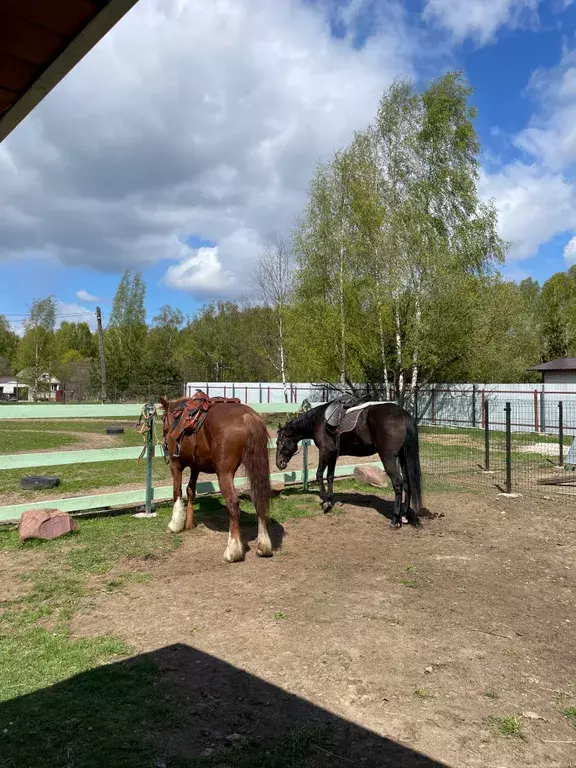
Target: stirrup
x=177 y=451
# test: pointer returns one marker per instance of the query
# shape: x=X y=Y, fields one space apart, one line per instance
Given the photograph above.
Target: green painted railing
x=106 y=411
x=102 y=501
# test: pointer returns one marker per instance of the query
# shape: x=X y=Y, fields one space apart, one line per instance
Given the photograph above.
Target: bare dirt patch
x=447 y=439
x=84 y=440
x=14 y=565
x=424 y=636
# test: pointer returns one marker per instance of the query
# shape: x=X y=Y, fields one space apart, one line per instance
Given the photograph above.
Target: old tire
x=39 y=482
x=114 y=430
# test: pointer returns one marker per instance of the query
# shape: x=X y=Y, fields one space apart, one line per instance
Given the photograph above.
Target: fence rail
x=12 y=512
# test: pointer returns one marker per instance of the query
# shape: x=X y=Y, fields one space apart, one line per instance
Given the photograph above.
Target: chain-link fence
x=509 y=449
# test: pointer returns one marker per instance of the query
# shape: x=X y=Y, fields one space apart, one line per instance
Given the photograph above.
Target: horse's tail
x=412 y=458
x=255 y=459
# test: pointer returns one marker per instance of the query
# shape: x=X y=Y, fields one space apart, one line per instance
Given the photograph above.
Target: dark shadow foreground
x=181 y=708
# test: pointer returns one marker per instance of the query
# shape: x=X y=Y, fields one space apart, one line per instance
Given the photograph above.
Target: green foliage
x=126 y=336
x=36 y=354
x=8 y=346
x=395 y=246
x=74 y=338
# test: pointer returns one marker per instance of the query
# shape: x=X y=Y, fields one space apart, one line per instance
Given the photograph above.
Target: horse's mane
x=304 y=420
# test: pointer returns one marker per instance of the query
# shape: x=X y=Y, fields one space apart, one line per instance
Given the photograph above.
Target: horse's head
x=286 y=445
x=168 y=415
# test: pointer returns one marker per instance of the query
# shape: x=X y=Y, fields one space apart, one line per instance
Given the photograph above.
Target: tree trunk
x=383 y=355
x=282 y=356
x=342 y=317
x=400 y=393
x=415 y=359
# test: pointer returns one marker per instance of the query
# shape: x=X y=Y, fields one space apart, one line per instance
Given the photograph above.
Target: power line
x=26 y=314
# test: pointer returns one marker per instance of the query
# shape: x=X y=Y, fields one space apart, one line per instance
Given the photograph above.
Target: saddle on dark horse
x=189 y=416
x=336 y=411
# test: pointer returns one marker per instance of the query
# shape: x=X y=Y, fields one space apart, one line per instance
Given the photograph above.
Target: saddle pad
x=365 y=405
x=352 y=415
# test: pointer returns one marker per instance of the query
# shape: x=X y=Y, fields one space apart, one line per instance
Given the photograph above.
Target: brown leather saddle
x=189 y=416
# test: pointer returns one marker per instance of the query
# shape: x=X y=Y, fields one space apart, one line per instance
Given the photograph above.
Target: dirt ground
x=421 y=636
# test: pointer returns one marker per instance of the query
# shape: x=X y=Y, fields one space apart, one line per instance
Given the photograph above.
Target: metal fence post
x=508 y=411
x=473 y=405
x=561 y=433
x=486 y=418
x=305 y=444
x=150 y=415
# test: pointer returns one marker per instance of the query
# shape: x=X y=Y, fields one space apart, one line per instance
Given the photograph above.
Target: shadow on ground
x=211 y=511
x=180 y=708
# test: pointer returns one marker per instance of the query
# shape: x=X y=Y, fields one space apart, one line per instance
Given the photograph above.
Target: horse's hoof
x=169 y=530
x=264 y=553
x=396 y=524
x=326 y=507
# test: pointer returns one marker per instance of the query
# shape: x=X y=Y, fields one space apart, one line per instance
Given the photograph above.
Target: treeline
x=391 y=276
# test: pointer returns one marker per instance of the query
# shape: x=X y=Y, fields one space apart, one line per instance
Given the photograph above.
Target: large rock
x=371 y=476
x=45 y=524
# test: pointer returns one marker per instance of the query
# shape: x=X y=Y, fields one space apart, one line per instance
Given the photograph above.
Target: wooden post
x=486 y=424
x=561 y=433
x=508 y=411
x=103 y=387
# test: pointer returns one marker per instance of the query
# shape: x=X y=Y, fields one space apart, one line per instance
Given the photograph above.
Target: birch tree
x=273 y=280
x=36 y=353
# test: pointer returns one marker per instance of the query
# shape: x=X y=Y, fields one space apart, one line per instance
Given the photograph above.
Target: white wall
x=534 y=406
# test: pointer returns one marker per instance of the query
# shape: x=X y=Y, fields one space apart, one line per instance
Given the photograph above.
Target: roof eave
x=84 y=41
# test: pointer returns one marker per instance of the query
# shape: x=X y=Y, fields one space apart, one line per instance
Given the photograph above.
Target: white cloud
x=570 y=250
x=550 y=137
x=201 y=273
x=86 y=296
x=536 y=194
x=203 y=117
x=534 y=205
x=480 y=19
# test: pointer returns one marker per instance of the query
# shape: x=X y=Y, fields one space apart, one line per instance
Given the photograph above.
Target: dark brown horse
x=383 y=428
x=230 y=434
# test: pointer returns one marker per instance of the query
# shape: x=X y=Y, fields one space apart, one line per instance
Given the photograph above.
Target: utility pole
x=101 y=350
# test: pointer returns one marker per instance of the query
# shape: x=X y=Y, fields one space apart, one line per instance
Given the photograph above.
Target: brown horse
x=230 y=434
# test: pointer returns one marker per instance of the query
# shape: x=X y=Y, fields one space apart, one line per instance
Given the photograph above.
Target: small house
x=560 y=371
x=9 y=388
x=47 y=387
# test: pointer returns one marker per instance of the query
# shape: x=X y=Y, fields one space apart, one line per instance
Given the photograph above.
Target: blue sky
x=133 y=162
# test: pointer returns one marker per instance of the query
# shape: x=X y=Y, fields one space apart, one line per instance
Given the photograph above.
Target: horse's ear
x=279 y=426
x=163 y=402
